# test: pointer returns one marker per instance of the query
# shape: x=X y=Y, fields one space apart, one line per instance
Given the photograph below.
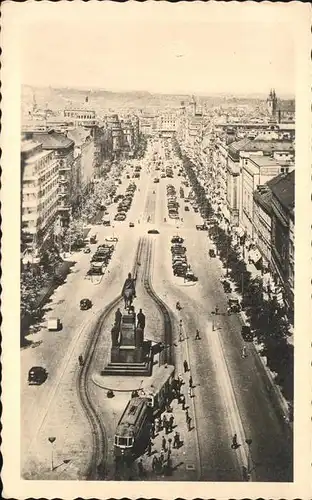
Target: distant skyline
x=142 y=53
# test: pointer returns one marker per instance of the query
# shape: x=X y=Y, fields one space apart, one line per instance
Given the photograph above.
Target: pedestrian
x=190 y=392
x=234 y=444
x=197 y=337
x=185 y=365
x=154 y=463
x=164 y=420
x=141 y=468
x=166 y=426
x=244 y=354
x=186 y=415
x=161 y=457
x=216 y=310
x=189 y=420
x=163 y=443
x=80 y=359
x=153 y=430
x=183 y=402
x=191 y=381
x=157 y=425
x=149 y=447
x=176 y=440
x=180 y=380
x=171 y=421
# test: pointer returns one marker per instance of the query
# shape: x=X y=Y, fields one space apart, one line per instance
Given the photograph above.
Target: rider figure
x=128 y=285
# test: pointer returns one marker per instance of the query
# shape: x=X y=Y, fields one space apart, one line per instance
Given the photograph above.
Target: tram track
x=166 y=356
x=97 y=466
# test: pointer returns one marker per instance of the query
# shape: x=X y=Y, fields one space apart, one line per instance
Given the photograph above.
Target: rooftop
x=264 y=161
x=284 y=190
x=53 y=140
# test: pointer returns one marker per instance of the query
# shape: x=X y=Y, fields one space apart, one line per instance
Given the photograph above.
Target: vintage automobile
x=212 y=252
x=87 y=250
x=131 y=224
x=152 y=231
x=54 y=324
x=233 y=306
x=227 y=286
x=85 y=304
x=37 y=375
x=247 y=333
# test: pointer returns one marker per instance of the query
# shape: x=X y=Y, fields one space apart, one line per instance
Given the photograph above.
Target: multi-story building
x=81 y=117
x=256 y=170
x=64 y=152
x=238 y=153
x=85 y=148
x=148 y=123
x=167 y=124
x=283 y=199
x=114 y=125
x=39 y=186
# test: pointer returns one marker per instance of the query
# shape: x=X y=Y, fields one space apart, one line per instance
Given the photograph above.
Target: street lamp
x=250 y=466
x=52 y=440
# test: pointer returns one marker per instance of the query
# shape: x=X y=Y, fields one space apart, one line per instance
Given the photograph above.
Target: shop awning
x=240 y=231
x=255 y=255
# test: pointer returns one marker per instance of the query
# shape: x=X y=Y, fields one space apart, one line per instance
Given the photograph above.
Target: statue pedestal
x=131 y=356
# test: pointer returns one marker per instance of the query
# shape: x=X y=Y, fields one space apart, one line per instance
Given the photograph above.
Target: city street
x=231 y=396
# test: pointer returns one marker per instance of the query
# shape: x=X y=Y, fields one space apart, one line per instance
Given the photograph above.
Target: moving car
x=152 y=231
x=85 y=304
x=120 y=216
x=111 y=238
x=87 y=250
x=37 y=375
x=212 y=252
x=131 y=224
x=187 y=209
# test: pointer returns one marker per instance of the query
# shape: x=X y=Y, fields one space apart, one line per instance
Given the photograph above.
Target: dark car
x=212 y=253
x=37 y=375
x=85 y=304
x=152 y=231
x=187 y=209
x=131 y=224
x=247 y=333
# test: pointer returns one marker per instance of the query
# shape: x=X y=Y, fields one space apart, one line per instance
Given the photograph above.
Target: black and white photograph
x=156 y=264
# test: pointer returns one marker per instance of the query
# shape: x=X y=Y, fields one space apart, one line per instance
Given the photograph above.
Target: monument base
x=130 y=360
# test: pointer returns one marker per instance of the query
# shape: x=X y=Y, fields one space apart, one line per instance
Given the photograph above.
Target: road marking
x=62 y=370
x=225 y=384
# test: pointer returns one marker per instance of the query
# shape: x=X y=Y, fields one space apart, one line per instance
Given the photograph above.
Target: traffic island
x=130 y=354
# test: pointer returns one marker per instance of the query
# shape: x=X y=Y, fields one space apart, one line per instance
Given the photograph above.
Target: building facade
x=39 y=190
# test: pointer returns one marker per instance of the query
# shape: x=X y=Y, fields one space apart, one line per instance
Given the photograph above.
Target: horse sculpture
x=128 y=291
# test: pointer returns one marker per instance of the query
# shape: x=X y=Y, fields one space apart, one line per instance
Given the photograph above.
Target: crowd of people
x=165 y=428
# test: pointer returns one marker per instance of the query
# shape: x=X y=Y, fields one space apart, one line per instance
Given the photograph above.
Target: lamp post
x=52 y=440
x=250 y=466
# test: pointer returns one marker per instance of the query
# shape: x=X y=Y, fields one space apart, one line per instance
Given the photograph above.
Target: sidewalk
x=184 y=458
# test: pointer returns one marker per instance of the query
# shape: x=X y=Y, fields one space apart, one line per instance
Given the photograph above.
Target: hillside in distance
x=108 y=101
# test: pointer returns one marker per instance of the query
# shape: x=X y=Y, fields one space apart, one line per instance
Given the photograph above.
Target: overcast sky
x=182 y=55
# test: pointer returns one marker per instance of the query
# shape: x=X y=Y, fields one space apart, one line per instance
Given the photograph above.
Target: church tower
x=272 y=103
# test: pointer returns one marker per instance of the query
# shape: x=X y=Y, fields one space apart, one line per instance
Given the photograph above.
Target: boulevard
x=231 y=395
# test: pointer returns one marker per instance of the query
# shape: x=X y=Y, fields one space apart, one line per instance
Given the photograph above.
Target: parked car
x=54 y=324
x=152 y=231
x=111 y=238
x=247 y=333
x=37 y=375
x=131 y=224
x=87 y=250
x=85 y=304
